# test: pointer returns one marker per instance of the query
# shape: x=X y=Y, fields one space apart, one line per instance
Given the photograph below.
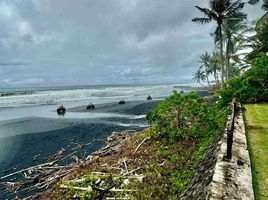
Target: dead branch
x=141 y=144
x=27 y=169
x=89 y=189
x=56 y=155
x=124 y=160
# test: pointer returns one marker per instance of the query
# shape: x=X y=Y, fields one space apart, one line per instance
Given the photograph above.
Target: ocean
x=31 y=130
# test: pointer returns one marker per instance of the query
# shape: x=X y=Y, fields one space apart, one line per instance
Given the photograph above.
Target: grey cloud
x=104 y=41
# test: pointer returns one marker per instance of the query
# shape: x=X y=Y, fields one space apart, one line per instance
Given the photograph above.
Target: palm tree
x=218 y=11
x=205 y=59
x=233 y=36
x=215 y=65
x=199 y=76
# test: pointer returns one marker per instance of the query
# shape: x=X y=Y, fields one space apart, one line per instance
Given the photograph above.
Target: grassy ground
x=257 y=132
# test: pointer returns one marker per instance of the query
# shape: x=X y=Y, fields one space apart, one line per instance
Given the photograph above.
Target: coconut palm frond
x=235 y=7
x=201 y=20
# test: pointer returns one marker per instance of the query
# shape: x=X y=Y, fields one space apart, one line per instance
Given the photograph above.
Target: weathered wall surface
x=197 y=188
x=219 y=178
x=232 y=179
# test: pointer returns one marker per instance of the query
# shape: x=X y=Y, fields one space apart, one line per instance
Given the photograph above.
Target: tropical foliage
x=219 y=11
x=183 y=117
x=210 y=66
x=233 y=37
x=199 y=76
x=251 y=87
x=259 y=42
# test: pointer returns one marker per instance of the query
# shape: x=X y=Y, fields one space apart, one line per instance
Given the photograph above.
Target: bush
x=182 y=117
x=251 y=87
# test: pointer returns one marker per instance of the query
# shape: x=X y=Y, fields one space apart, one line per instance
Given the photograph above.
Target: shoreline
x=113 y=143
x=75 y=143
x=138 y=107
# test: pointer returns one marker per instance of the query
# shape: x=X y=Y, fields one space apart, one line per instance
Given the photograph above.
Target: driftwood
x=27 y=169
x=36 y=178
x=89 y=189
x=141 y=144
x=56 y=155
x=43 y=176
x=125 y=163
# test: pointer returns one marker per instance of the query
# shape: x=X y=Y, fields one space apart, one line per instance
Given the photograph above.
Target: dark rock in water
x=91 y=106
x=122 y=101
x=149 y=98
x=61 y=110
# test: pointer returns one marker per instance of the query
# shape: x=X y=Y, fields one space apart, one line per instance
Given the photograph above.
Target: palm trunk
x=222 y=58
x=207 y=75
x=202 y=85
x=216 y=77
x=218 y=80
x=227 y=60
x=208 y=80
x=228 y=68
x=214 y=74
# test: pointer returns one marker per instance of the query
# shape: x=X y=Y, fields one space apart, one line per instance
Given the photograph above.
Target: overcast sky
x=77 y=42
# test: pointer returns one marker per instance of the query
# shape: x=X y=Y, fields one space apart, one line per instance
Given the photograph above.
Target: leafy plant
x=251 y=87
x=184 y=117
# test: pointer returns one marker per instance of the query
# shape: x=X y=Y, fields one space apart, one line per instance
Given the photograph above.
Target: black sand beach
x=130 y=108
x=29 y=141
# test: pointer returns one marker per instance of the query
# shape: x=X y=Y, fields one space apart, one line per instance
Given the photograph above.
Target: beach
x=30 y=141
x=31 y=131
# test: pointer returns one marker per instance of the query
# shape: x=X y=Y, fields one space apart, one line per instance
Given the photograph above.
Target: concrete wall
x=232 y=179
x=219 y=178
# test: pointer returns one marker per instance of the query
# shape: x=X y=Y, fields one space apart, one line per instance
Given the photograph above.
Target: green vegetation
x=259 y=42
x=177 y=122
x=257 y=133
x=251 y=87
x=233 y=34
x=184 y=117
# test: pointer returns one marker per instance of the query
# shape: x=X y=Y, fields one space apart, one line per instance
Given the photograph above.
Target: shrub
x=182 y=117
x=251 y=87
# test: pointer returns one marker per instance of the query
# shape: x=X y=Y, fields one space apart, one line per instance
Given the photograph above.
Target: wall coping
x=232 y=179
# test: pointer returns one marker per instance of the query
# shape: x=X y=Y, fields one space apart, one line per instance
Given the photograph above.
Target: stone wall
x=232 y=179
x=198 y=186
x=220 y=178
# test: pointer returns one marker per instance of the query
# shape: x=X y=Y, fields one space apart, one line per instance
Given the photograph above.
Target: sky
x=86 y=42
